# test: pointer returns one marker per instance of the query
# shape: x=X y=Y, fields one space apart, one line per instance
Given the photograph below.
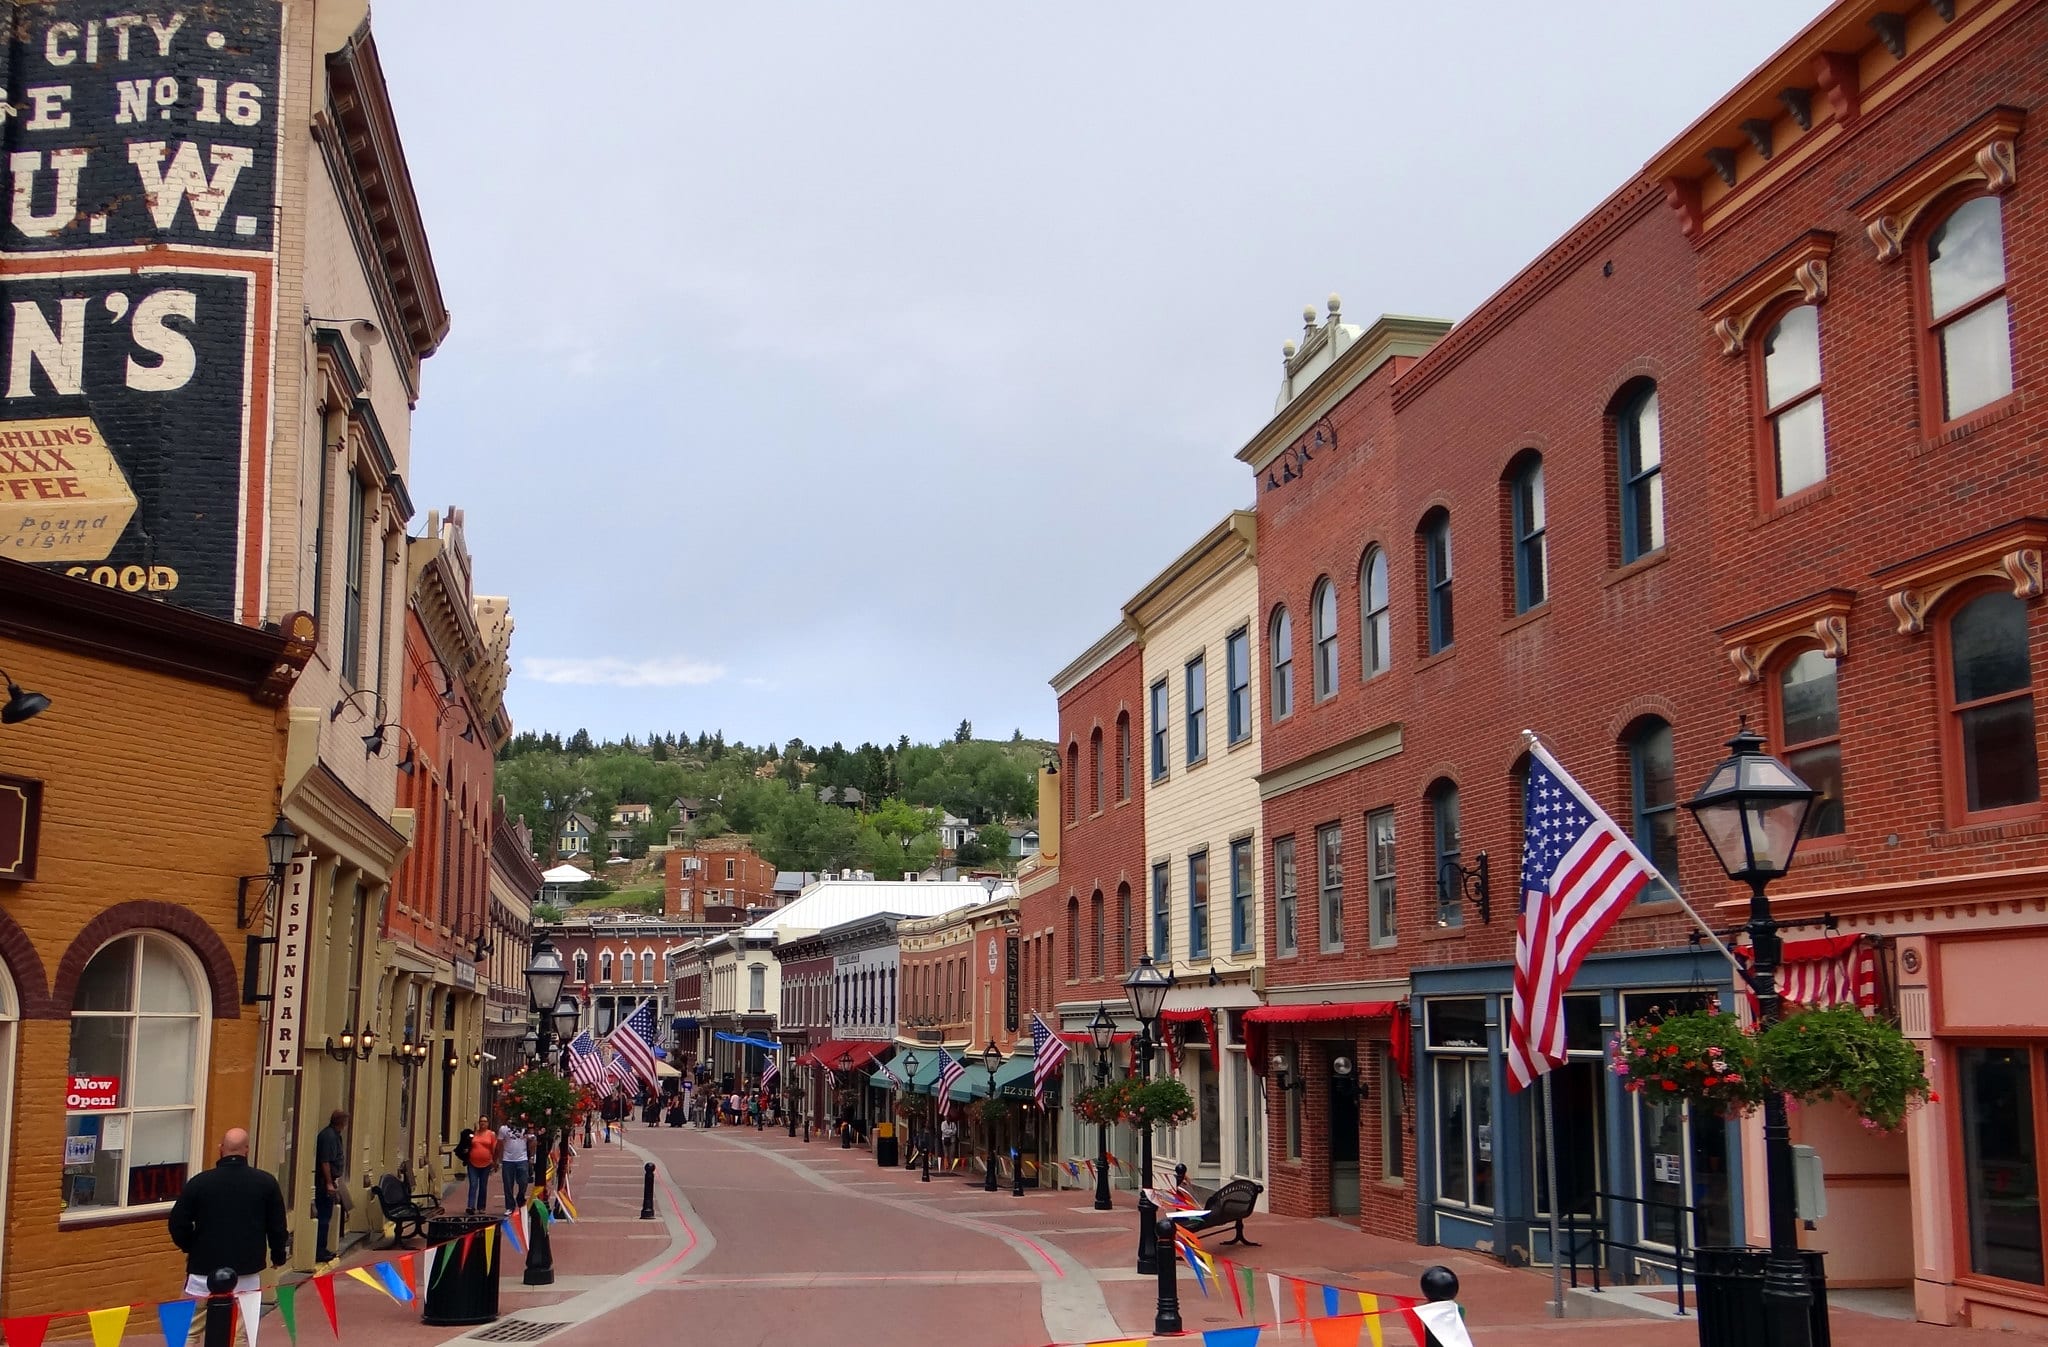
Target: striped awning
x=1829 y=970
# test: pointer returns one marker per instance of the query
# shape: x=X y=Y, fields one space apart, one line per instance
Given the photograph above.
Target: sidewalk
x=1504 y=1307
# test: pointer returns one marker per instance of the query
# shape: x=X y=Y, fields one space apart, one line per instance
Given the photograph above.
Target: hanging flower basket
x=1812 y=1056
x=1104 y=1105
x=1159 y=1103
x=1839 y=1053
x=991 y=1110
x=545 y=1100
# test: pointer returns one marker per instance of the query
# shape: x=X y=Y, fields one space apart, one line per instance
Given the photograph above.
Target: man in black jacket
x=226 y=1215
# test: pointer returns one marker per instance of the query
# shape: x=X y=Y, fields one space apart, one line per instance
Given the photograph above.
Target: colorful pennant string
x=173 y=1316
x=108 y=1325
x=250 y=1303
x=287 y=1311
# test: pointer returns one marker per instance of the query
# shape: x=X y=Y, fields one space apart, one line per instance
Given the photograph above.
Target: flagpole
x=1536 y=749
x=1550 y=1180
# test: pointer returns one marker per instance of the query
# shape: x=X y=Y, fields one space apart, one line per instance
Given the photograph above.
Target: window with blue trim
x=1376 y=635
x=1532 y=558
x=1639 y=447
x=1323 y=624
x=1197 y=709
x=1237 y=662
x=1280 y=639
x=1159 y=730
x=1653 y=802
x=1198 y=904
x=1443 y=809
x=1241 y=896
x=1436 y=545
x=1162 y=882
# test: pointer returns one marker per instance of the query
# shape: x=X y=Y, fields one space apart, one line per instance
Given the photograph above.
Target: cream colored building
x=1198 y=626
x=358 y=308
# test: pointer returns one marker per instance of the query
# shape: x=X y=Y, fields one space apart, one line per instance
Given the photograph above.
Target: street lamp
x=924 y=1151
x=845 y=1129
x=1753 y=810
x=1146 y=988
x=1102 y=1029
x=544 y=977
x=991 y=1058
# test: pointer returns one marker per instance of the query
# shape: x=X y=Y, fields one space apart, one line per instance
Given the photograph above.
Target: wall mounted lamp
x=279 y=843
x=21 y=705
x=1280 y=1075
x=353 y=1044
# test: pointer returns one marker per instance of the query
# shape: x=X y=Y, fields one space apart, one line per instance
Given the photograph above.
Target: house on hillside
x=632 y=815
x=851 y=797
x=575 y=835
x=687 y=808
x=953 y=832
x=1023 y=840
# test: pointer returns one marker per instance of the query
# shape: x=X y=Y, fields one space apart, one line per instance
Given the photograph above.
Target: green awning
x=921 y=1083
x=973 y=1082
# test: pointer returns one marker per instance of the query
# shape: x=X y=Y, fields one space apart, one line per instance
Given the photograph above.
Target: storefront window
x=1209 y=1104
x=1462 y=1078
x=1579 y=1121
x=1392 y=1090
x=1680 y=1161
x=1293 y=1106
x=137 y=1068
x=2000 y=1162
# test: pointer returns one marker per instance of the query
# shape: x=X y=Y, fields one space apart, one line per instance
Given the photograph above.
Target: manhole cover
x=516 y=1330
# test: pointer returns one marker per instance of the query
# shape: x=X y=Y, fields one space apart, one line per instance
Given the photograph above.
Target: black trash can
x=1730 y=1282
x=463 y=1290
x=886 y=1146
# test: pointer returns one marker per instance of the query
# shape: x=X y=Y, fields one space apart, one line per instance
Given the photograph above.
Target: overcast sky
x=839 y=370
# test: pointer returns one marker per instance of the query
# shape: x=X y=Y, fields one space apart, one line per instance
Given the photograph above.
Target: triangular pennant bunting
x=250 y=1303
x=444 y=1254
x=1236 y=1284
x=108 y=1325
x=28 y=1330
x=369 y=1279
x=287 y=1311
x=1335 y=1332
x=1273 y=1291
x=323 y=1286
x=1370 y=1303
x=174 y=1317
x=1246 y=1336
x=512 y=1233
x=1444 y=1319
x=1300 y=1290
x=1330 y=1306
x=1414 y=1322
x=490 y=1247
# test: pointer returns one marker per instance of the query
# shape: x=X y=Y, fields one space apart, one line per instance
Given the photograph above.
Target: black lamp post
x=991 y=1058
x=1753 y=810
x=845 y=1084
x=924 y=1150
x=1102 y=1029
x=1146 y=988
x=544 y=974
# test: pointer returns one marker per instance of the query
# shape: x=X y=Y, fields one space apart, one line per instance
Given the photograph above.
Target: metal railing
x=1583 y=1232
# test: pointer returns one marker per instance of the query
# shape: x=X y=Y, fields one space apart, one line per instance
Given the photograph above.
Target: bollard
x=807 y=1131
x=1166 y=1318
x=220 y=1307
x=647 y=1193
x=759 y=1121
x=1438 y=1283
x=588 y=1140
x=1180 y=1180
x=846 y=1136
x=792 y=1124
x=1016 y=1173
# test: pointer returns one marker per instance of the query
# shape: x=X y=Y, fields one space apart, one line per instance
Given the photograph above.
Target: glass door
x=1680 y=1160
x=2001 y=1161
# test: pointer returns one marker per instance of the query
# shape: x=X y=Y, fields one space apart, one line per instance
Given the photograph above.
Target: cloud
x=665 y=671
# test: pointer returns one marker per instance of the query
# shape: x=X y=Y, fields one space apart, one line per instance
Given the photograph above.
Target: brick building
x=514 y=886
x=804 y=1021
x=119 y=868
x=717 y=872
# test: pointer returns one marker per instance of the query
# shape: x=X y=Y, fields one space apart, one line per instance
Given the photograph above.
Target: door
x=1343 y=1103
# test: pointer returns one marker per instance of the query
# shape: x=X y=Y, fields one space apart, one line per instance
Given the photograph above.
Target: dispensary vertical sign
x=142 y=158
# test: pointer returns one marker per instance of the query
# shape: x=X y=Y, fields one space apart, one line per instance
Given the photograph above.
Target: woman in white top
x=513 y=1160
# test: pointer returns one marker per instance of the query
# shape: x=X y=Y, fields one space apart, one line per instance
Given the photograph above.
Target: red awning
x=1259 y=1018
x=1081 y=1038
x=1829 y=970
x=1202 y=1015
x=827 y=1054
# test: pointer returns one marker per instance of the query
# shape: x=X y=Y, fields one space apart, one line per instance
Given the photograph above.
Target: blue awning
x=764 y=1043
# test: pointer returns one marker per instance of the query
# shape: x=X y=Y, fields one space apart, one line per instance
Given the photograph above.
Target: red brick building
x=1872 y=266
x=717 y=872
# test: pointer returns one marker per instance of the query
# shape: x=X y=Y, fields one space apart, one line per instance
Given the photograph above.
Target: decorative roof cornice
x=1391 y=337
x=1112 y=643
x=1220 y=552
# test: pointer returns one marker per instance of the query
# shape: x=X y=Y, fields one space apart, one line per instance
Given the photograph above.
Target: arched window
x=138 y=1072
x=1073 y=939
x=1281 y=640
x=1097 y=937
x=582 y=966
x=1968 y=328
x=1639 y=450
x=1322 y=608
x=1095 y=770
x=1653 y=797
x=1447 y=830
x=626 y=966
x=1123 y=926
x=647 y=966
x=1810 y=733
x=1436 y=562
x=1123 y=755
x=1376 y=627
x=604 y=966
x=1527 y=531
x=1989 y=696
x=1795 y=427
x=1073 y=788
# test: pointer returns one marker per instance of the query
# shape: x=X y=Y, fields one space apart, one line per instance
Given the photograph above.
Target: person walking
x=225 y=1217
x=483 y=1154
x=949 y=1141
x=330 y=1159
x=516 y=1168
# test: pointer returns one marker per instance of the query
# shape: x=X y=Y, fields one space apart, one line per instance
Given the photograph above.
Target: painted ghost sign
x=136 y=271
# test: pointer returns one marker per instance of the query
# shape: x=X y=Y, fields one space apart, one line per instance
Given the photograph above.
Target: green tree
x=995 y=840
x=579 y=742
x=964 y=732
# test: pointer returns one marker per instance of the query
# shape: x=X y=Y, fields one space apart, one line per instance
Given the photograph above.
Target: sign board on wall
x=288 y=969
x=1010 y=988
x=21 y=814
x=92 y=1094
x=137 y=379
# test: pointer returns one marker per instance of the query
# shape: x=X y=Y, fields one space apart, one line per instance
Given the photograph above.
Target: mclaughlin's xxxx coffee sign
x=137 y=264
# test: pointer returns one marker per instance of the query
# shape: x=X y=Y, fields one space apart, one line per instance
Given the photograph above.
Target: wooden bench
x=1231 y=1204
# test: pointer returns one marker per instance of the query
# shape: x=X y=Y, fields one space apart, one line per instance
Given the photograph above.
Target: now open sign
x=93 y=1094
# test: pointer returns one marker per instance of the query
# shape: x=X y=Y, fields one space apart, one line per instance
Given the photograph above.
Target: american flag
x=1047 y=1052
x=1579 y=874
x=634 y=1041
x=618 y=1075
x=893 y=1078
x=586 y=1063
x=951 y=1068
x=770 y=1072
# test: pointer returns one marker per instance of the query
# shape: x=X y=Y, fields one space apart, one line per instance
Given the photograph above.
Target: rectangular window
x=1198 y=904
x=1379 y=847
x=1241 y=896
x=1291 y=1119
x=1437 y=552
x=1284 y=896
x=1330 y=885
x=1462 y=1080
x=1208 y=1109
x=2000 y=1169
x=1443 y=807
x=1161 y=882
x=1198 y=710
x=1123 y=757
x=1159 y=730
x=1393 y=1156
x=1237 y=659
x=1532 y=560
x=352 y=587
x=729 y=868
